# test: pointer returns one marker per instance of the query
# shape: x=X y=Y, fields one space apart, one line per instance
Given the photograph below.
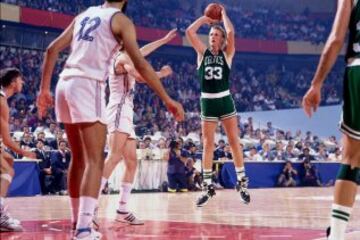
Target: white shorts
x=120 y=118
x=80 y=100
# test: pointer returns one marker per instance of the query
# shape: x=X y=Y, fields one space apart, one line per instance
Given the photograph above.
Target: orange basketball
x=213 y=11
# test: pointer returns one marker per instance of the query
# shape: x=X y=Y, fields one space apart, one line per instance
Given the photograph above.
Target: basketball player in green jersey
x=347 y=16
x=217 y=104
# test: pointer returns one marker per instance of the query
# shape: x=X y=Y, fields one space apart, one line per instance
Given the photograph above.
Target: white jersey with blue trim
x=122 y=87
x=93 y=45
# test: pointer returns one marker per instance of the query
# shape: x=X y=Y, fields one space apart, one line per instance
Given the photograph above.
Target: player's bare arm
x=230 y=36
x=44 y=99
x=164 y=72
x=331 y=50
x=5 y=133
x=193 y=38
x=150 y=47
x=125 y=30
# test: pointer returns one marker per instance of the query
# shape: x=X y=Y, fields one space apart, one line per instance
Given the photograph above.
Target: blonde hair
x=222 y=30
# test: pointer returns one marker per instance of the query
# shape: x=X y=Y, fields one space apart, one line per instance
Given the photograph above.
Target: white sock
x=339 y=219
x=102 y=185
x=240 y=172
x=2 y=202
x=207 y=174
x=125 y=192
x=74 y=205
x=86 y=212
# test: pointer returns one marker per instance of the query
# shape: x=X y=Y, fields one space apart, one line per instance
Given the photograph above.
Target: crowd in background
x=256 y=86
x=258 y=23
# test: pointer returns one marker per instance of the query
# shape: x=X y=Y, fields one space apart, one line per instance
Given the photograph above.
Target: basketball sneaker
x=87 y=234
x=128 y=217
x=205 y=197
x=241 y=187
x=9 y=224
x=328 y=231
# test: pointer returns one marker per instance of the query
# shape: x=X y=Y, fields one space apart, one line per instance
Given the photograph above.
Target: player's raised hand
x=171 y=35
x=223 y=11
x=166 y=70
x=176 y=109
x=311 y=100
x=43 y=102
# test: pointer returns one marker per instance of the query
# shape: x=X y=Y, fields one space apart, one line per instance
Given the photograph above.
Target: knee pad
x=346 y=173
x=6 y=177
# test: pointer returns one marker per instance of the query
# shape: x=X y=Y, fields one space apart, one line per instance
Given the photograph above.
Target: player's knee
x=233 y=141
x=347 y=173
x=7 y=176
x=131 y=165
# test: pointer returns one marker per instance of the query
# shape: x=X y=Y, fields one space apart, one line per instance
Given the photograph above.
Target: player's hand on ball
x=209 y=21
x=312 y=100
x=171 y=35
x=176 y=109
x=43 y=102
x=166 y=71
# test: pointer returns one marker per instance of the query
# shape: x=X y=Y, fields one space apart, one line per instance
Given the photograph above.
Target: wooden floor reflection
x=297 y=214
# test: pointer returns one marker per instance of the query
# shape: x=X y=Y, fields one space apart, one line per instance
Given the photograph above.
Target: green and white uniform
x=350 y=122
x=216 y=101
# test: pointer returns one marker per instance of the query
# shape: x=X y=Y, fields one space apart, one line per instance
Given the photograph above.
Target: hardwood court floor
x=296 y=214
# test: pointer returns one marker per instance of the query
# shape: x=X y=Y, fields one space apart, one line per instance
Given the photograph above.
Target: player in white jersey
x=94 y=36
x=122 y=138
x=11 y=82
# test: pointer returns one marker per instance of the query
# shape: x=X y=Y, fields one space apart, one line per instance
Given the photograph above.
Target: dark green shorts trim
x=215 y=109
x=350 y=121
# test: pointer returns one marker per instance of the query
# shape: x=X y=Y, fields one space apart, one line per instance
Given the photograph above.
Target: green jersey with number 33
x=214 y=73
x=353 y=50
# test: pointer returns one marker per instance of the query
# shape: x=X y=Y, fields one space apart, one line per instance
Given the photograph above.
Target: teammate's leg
x=208 y=133
x=345 y=188
x=232 y=132
x=93 y=137
x=130 y=160
x=76 y=168
x=7 y=223
x=117 y=141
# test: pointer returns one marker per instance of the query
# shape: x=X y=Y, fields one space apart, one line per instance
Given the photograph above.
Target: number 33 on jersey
x=214 y=73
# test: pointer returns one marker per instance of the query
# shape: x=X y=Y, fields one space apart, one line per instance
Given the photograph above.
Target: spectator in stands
x=191 y=150
x=60 y=160
x=226 y=154
x=266 y=153
x=176 y=168
x=253 y=155
x=311 y=177
x=336 y=156
x=27 y=141
x=287 y=177
x=219 y=151
x=278 y=152
x=41 y=136
x=289 y=154
x=322 y=154
x=306 y=156
x=59 y=136
x=45 y=173
x=50 y=131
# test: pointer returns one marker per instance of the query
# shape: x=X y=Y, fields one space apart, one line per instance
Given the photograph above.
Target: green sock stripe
x=340 y=217
x=341 y=213
x=207 y=175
